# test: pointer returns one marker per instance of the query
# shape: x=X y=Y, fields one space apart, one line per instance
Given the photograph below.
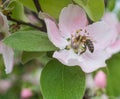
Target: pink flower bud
x=100 y=79
x=26 y=93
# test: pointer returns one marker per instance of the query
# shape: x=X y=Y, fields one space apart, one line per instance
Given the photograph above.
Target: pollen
x=79 y=42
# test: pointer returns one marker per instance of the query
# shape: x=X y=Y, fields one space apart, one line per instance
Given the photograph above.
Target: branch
x=24 y=23
x=37 y=5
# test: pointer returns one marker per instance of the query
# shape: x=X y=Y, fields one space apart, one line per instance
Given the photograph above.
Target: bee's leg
x=84 y=48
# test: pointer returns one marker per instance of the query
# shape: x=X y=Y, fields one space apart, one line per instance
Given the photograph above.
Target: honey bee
x=90 y=45
x=87 y=43
x=80 y=44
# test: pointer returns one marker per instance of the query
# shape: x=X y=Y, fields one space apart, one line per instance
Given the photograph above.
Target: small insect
x=87 y=43
x=90 y=45
x=80 y=43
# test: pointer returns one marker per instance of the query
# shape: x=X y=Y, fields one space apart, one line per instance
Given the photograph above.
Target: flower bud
x=26 y=93
x=100 y=79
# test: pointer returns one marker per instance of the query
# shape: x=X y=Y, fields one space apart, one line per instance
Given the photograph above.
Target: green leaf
x=111 y=4
x=117 y=9
x=27 y=56
x=113 y=88
x=44 y=59
x=53 y=7
x=94 y=8
x=29 y=4
x=30 y=41
x=17 y=10
x=81 y=2
x=62 y=82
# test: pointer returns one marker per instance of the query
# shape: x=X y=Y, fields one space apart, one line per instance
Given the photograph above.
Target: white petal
x=71 y=19
x=67 y=57
x=8 y=56
x=54 y=34
x=93 y=61
x=89 y=62
x=101 y=34
x=114 y=48
x=111 y=19
x=90 y=81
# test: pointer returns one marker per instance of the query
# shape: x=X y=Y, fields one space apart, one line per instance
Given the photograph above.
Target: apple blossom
x=7 y=52
x=79 y=43
x=111 y=19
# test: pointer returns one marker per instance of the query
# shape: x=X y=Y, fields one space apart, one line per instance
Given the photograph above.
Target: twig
x=37 y=5
x=24 y=23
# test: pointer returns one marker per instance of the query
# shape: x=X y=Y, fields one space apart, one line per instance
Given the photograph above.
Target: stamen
x=78 y=30
x=68 y=47
x=79 y=43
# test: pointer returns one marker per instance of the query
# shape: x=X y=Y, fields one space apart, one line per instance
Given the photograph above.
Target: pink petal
x=8 y=56
x=93 y=61
x=101 y=34
x=72 y=18
x=114 y=48
x=67 y=57
x=54 y=34
x=118 y=28
x=111 y=19
x=89 y=62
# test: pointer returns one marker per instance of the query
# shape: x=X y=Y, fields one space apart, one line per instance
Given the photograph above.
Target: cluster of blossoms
x=80 y=43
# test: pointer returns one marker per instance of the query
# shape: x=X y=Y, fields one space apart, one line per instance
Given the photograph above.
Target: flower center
x=79 y=43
